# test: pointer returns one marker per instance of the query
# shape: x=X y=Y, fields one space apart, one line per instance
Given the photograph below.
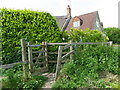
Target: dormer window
x=76 y=23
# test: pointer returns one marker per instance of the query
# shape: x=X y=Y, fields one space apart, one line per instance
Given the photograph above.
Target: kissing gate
x=37 y=61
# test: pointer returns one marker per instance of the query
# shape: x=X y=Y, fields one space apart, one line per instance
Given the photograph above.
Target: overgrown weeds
x=15 y=80
x=83 y=70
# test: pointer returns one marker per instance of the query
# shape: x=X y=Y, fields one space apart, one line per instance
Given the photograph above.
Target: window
x=76 y=24
x=97 y=23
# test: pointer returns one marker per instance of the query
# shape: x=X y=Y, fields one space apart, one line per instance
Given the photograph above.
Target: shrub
x=113 y=34
x=14 y=80
x=83 y=70
x=87 y=35
x=31 y=25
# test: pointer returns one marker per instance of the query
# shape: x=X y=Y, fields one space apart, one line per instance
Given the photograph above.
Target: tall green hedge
x=31 y=25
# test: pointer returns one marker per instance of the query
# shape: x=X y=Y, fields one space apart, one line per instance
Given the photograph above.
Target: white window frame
x=76 y=24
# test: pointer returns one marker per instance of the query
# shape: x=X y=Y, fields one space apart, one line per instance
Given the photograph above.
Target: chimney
x=68 y=11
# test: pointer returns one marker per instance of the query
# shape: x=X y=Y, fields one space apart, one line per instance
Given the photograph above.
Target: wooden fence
x=27 y=61
x=30 y=61
x=70 y=45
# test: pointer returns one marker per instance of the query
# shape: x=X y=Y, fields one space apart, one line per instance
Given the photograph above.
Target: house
x=89 y=20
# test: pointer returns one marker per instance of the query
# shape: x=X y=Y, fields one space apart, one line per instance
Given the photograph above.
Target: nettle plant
x=31 y=25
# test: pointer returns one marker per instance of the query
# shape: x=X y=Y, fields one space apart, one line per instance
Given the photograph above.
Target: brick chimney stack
x=68 y=11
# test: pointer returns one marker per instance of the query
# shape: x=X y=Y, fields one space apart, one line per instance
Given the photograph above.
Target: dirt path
x=50 y=80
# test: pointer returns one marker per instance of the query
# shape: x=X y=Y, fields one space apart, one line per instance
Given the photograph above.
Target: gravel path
x=50 y=80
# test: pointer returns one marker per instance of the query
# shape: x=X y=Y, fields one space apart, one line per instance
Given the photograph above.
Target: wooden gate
x=39 y=63
x=36 y=63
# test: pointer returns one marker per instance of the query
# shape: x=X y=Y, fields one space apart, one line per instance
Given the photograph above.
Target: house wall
x=97 y=24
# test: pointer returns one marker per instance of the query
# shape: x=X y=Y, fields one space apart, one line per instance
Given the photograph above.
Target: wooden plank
x=24 y=58
x=67 y=54
x=6 y=66
x=57 y=43
x=68 y=43
x=52 y=61
x=90 y=43
x=52 y=52
x=39 y=57
x=77 y=43
x=35 y=45
x=58 y=61
x=57 y=52
x=39 y=51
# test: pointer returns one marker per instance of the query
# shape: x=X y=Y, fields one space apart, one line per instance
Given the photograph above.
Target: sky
x=107 y=9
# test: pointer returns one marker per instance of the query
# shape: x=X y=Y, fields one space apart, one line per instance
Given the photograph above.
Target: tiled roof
x=88 y=21
x=61 y=20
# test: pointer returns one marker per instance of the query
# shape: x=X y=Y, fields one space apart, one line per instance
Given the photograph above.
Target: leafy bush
x=87 y=35
x=14 y=80
x=33 y=26
x=113 y=34
x=83 y=70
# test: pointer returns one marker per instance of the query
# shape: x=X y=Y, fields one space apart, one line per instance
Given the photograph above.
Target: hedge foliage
x=113 y=34
x=31 y=25
x=87 y=35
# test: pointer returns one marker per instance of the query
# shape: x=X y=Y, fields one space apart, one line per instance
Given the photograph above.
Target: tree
x=113 y=34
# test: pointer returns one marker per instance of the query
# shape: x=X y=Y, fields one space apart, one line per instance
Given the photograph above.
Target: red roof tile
x=88 y=21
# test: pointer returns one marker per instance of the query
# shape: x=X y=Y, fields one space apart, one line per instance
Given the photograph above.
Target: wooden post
x=24 y=58
x=111 y=43
x=43 y=47
x=30 y=62
x=46 y=59
x=58 y=61
x=71 y=48
x=43 y=54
